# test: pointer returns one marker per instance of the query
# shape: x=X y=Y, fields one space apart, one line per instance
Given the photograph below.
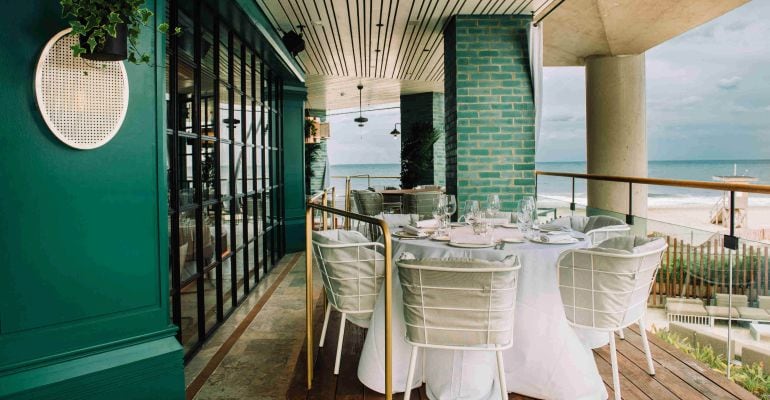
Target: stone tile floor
x=260 y=362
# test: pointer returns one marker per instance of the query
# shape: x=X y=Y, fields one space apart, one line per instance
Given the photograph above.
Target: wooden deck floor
x=677 y=376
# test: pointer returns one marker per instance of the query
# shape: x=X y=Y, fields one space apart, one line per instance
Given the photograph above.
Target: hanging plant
x=108 y=30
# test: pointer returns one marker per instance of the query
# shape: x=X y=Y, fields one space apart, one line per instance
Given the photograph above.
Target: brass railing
x=319 y=203
x=348 y=187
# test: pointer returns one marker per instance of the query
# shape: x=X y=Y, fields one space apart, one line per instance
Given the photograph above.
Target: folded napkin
x=471 y=239
x=556 y=237
x=499 y=221
x=411 y=230
x=427 y=223
x=554 y=227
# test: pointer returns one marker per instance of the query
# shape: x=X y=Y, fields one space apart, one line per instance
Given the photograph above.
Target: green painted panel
x=83 y=236
x=294 y=166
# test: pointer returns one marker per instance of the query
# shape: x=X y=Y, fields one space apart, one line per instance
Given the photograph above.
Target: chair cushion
x=601 y=221
x=672 y=300
x=721 y=312
x=739 y=300
x=576 y=223
x=686 y=309
x=753 y=313
x=633 y=244
x=764 y=302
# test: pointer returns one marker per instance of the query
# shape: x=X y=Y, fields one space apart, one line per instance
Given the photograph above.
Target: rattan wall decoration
x=83 y=102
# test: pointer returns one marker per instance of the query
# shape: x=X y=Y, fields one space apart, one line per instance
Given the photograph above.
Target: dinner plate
x=471 y=245
x=404 y=235
x=571 y=241
x=509 y=226
x=512 y=240
x=458 y=224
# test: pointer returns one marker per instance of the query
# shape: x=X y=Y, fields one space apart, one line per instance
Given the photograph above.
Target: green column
x=294 y=166
x=490 y=140
x=84 y=292
x=419 y=111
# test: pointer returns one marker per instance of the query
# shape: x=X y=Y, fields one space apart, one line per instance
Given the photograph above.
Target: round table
x=548 y=360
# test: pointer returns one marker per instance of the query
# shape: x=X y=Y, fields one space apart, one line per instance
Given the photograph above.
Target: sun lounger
x=690 y=311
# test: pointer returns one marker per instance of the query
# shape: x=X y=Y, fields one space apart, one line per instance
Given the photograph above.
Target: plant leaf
x=78 y=28
x=111 y=30
x=114 y=18
x=91 y=42
x=77 y=50
x=163 y=28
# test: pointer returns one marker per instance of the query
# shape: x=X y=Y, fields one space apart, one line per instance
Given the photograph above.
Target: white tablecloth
x=547 y=360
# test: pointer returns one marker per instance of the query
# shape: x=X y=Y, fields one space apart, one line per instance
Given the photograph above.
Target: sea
x=560 y=188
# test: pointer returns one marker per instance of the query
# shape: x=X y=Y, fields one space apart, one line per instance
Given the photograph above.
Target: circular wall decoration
x=83 y=102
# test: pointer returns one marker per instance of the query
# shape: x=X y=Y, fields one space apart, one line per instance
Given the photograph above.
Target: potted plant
x=108 y=30
x=417 y=154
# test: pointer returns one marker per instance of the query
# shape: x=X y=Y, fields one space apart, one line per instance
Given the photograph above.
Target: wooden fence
x=703 y=270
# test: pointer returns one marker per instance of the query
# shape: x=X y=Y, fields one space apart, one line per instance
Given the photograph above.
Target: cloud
x=729 y=83
x=767 y=108
x=737 y=26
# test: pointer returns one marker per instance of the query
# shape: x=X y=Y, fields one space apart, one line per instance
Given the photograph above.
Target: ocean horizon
x=560 y=188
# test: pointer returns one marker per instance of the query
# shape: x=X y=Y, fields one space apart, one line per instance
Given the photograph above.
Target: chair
x=367 y=202
x=459 y=304
x=606 y=288
x=352 y=271
x=419 y=203
x=598 y=227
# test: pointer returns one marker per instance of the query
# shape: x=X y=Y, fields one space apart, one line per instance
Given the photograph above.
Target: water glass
x=493 y=205
x=471 y=208
x=451 y=205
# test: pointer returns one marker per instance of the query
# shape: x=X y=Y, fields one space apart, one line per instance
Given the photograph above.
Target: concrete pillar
x=490 y=112
x=616 y=136
x=424 y=109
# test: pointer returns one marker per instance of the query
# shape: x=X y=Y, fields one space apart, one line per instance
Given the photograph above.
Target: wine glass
x=471 y=207
x=451 y=205
x=493 y=205
x=439 y=210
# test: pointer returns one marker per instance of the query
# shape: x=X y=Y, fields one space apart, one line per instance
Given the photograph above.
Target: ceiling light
x=361 y=120
x=380 y=25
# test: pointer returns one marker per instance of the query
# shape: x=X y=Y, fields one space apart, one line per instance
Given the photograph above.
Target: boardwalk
x=677 y=376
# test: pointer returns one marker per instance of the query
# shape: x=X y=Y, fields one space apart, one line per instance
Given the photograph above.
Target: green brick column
x=294 y=166
x=426 y=108
x=490 y=112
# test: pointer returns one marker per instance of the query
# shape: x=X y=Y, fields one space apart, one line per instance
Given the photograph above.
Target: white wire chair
x=459 y=304
x=597 y=227
x=607 y=290
x=352 y=270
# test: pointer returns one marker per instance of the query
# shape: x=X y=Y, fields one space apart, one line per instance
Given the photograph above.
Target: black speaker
x=294 y=42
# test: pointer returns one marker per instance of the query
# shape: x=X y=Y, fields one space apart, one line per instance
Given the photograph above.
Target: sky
x=708 y=98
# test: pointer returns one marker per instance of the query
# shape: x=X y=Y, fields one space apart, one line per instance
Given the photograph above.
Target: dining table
x=549 y=358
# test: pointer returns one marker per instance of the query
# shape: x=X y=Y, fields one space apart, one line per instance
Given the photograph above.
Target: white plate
x=471 y=245
x=512 y=240
x=403 y=235
x=458 y=224
x=509 y=226
x=571 y=241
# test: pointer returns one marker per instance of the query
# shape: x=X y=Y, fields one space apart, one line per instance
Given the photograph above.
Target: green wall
x=294 y=166
x=425 y=108
x=84 y=291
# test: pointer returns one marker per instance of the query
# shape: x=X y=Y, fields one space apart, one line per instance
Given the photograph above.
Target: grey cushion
x=456 y=308
x=633 y=244
x=739 y=300
x=686 y=309
x=722 y=312
x=672 y=300
x=352 y=275
x=601 y=221
x=764 y=302
x=754 y=314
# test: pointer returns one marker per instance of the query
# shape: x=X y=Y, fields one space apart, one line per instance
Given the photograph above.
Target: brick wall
x=490 y=140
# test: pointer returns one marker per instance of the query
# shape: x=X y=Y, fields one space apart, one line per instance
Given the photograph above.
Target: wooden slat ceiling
x=392 y=47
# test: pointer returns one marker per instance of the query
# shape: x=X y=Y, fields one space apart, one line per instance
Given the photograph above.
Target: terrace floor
x=262 y=356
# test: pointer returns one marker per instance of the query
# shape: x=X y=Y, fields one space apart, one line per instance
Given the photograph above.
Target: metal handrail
x=311 y=205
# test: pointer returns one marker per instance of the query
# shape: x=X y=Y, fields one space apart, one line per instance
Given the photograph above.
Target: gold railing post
x=347 y=201
x=388 y=311
x=309 y=292
x=324 y=214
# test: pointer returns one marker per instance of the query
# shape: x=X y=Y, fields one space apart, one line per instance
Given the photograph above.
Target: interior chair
x=605 y=288
x=352 y=270
x=597 y=227
x=419 y=203
x=459 y=304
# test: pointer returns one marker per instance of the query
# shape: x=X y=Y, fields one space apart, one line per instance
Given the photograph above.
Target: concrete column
x=616 y=136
